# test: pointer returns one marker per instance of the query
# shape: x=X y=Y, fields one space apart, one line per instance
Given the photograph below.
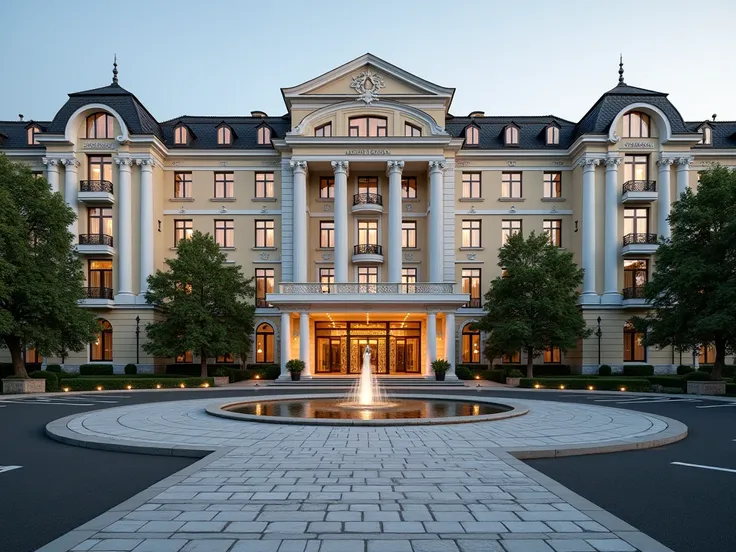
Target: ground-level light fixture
x=129 y=387
x=258 y=376
x=477 y=376
x=537 y=386
x=205 y=384
x=562 y=386
x=622 y=389
x=66 y=389
x=99 y=388
x=182 y=385
x=590 y=388
x=158 y=386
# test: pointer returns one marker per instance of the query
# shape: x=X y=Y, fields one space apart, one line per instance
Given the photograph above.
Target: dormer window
x=636 y=125
x=552 y=135
x=100 y=125
x=511 y=135
x=706 y=135
x=264 y=136
x=323 y=131
x=181 y=135
x=224 y=135
x=472 y=136
x=32 y=133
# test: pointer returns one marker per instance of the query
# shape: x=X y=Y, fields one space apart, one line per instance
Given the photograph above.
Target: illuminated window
x=511 y=136
x=368 y=127
x=265 y=233
x=514 y=358
x=224 y=135
x=32 y=135
x=367 y=232
x=636 y=275
x=508 y=229
x=554 y=231
x=99 y=279
x=471 y=185
x=636 y=221
x=225 y=233
x=227 y=358
x=411 y=130
x=99 y=221
x=99 y=167
x=408 y=279
x=636 y=125
x=181 y=135
x=264 y=185
x=409 y=234
x=553 y=184
x=470 y=233
x=472 y=136
x=100 y=125
x=511 y=185
x=327 y=187
x=265 y=280
x=408 y=187
x=182 y=185
x=224 y=185
x=185 y=358
x=326 y=234
x=264 y=136
x=182 y=230
x=264 y=343
x=33 y=357
x=552 y=135
x=471 y=285
x=101 y=349
x=470 y=345
x=707 y=354
x=368 y=275
x=552 y=355
x=634 y=349
x=636 y=167
x=326 y=277
x=324 y=131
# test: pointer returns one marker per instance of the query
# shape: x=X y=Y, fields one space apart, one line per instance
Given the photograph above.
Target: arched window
x=471 y=345
x=32 y=135
x=367 y=127
x=553 y=135
x=636 y=125
x=264 y=136
x=181 y=135
x=224 y=136
x=472 y=136
x=634 y=349
x=101 y=349
x=511 y=136
x=100 y=125
x=264 y=343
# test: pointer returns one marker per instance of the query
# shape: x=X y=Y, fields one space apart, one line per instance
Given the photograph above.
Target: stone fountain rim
x=219 y=411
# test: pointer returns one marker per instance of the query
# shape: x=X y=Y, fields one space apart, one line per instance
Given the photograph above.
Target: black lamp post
x=598 y=334
x=137 y=339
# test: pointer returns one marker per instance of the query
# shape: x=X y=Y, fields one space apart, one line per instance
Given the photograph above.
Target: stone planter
x=706 y=387
x=221 y=381
x=439 y=376
x=296 y=376
x=513 y=382
x=18 y=386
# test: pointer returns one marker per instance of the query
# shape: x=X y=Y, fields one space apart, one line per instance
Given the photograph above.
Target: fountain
x=367 y=392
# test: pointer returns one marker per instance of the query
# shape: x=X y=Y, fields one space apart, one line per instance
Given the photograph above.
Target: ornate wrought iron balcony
x=95 y=239
x=633 y=292
x=640 y=186
x=368 y=199
x=355 y=288
x=95 y=186
x=368 y=249
x=650 y=239
x=98 y=293
x=474 y=303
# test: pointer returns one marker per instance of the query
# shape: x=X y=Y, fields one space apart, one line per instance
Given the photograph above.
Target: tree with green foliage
x=41 y=278
x=693 y=286
x=204 y=302
x=534 y=305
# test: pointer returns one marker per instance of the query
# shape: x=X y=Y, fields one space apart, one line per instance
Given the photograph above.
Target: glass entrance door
x=378 y=345
x=406 y=358
x=329 y=357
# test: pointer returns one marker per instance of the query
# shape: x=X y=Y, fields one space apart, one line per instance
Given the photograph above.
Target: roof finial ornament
x=621 y=70
x=115 y=70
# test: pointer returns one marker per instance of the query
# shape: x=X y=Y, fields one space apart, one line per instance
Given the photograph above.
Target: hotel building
x=368 y=214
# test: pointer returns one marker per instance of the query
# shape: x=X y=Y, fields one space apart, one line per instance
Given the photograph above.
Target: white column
x=52 y=173
x=300 y=220
x=124 y=239
x=663 y=200
x=394 y=169
x=436 y=259
x=450 y=344
x=431 y=341
x=304 y=344
x=589 y=294
x=683 y=175
x=146 y=262
x=285 y=343
x=71 y=187
x=340 y=169
x=611 y=295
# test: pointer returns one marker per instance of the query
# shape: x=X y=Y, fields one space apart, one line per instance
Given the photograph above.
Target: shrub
x=52 y=382
x=56 y=368
x=221 y=372
x=269 y=371
x=696 y=376
x=462 y=372
x=682 y=369
x=96 y=370
x=603 y=384
x=604 y=370
x=728 y=370
x=295 y=365
x=131 y=369
x=440 y=366
x=237 y=374
x=195 y=370
x=121 y=383
x=515 y=374
x=638 y=370
x=499 y=376
x=540 y=370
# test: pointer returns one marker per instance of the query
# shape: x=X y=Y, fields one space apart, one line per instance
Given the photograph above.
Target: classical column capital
x=146 y=163
x=298 y=167
x=685 y=161
x=664 y=162
x=70 y=164
x=51 y=162
x=437 y=166
x=612 y=163
x=589 y=163
x=340 y=166
x=394 y=167
x=124 y=162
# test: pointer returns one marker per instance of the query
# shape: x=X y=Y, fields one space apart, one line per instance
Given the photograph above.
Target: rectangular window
x=264 y=185
x=324 y=131
x=265 y=233
x=367 y=232
x=326 y=277
x=514 y=358
x=552 y=355
x=471 y=285
x=186 y=358
x=327 y=187
x=408 y=187
x=326 y=234
x=707 y=354
x=367 y=185
x=636 y=167
x=264 y=285
x=636 y=221
x=508 y=229
x=99 y=221
x=409 y=280
x=99 y=167
x=368 y=278
x=411 y=130
x=554 y=231
x=99 y=279
x=225 y=233
x=182 y=185
x=471 y=185
x=553 y=184
x=511 y=185
x=182 y=230
x=636 y=275
x=227 y=358
x=409 y=234
x=634 y=349
x=224 y=185
x=471 y=233
x=367 y=127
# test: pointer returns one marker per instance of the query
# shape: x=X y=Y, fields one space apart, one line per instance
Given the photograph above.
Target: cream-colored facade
x=368 y=213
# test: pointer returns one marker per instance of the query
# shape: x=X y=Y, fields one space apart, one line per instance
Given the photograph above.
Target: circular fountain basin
x=332 y=409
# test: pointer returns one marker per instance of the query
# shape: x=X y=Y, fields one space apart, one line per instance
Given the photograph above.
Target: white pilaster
x=124 y=239
x=589 y=295
x=146 y=222
x=342 y=252
x=436 y=257
x=450 y=344
x=431 y=341
x=611 y=295
x=285 y=343
x=300 y=220
x=683 y=175
x=71 y=188
x=393 y=170
x=663 y=200
x=304 y=344
x=52 y=173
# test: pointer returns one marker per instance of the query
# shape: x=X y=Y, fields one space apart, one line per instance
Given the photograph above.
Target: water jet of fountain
x=367 y=391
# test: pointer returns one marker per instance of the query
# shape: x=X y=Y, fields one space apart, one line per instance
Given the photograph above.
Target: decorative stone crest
x=471 y=256
x=264 y=256
x=223 y=163
x=553 y=210
x=327 y=208
x=472 y=210
x=367 y=84
x=223 y=209
x=408 y=256
x=408 y=207
x=264 y=210
x=326 y=256
x=182 y=210
x=511 y=163
x=513 y=209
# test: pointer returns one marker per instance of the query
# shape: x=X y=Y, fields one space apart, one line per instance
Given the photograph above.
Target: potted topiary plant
x=440 y=367
x=514 y=377
x=295 y=367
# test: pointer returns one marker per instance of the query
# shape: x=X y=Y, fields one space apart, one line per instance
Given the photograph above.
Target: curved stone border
x=516 y=410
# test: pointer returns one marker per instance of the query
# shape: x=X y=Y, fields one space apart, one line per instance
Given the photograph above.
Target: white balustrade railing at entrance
x=354 y=288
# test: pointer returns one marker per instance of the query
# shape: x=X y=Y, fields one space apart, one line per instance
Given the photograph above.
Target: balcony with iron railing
x=96 y=191
x=367 y=202
x=639 y=243
x=633 y=296
x=96 y=292
x=367 y=253
x=474 y=303
x=96 y=244
x=639 y=190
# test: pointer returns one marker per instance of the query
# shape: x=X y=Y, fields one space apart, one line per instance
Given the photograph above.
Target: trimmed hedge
x=121 y=383
x=499 y=376
x=131 y=369
x=728 y=371
x=604 y=370
x=666 y=380
x=52 y=382
x=540 y=370
x=602 y=384
x=682 y=369
x=268 y=371
x=696 y=376
x=638 y=370
x=56 y=368
x=96 y=370
x=195 y=370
